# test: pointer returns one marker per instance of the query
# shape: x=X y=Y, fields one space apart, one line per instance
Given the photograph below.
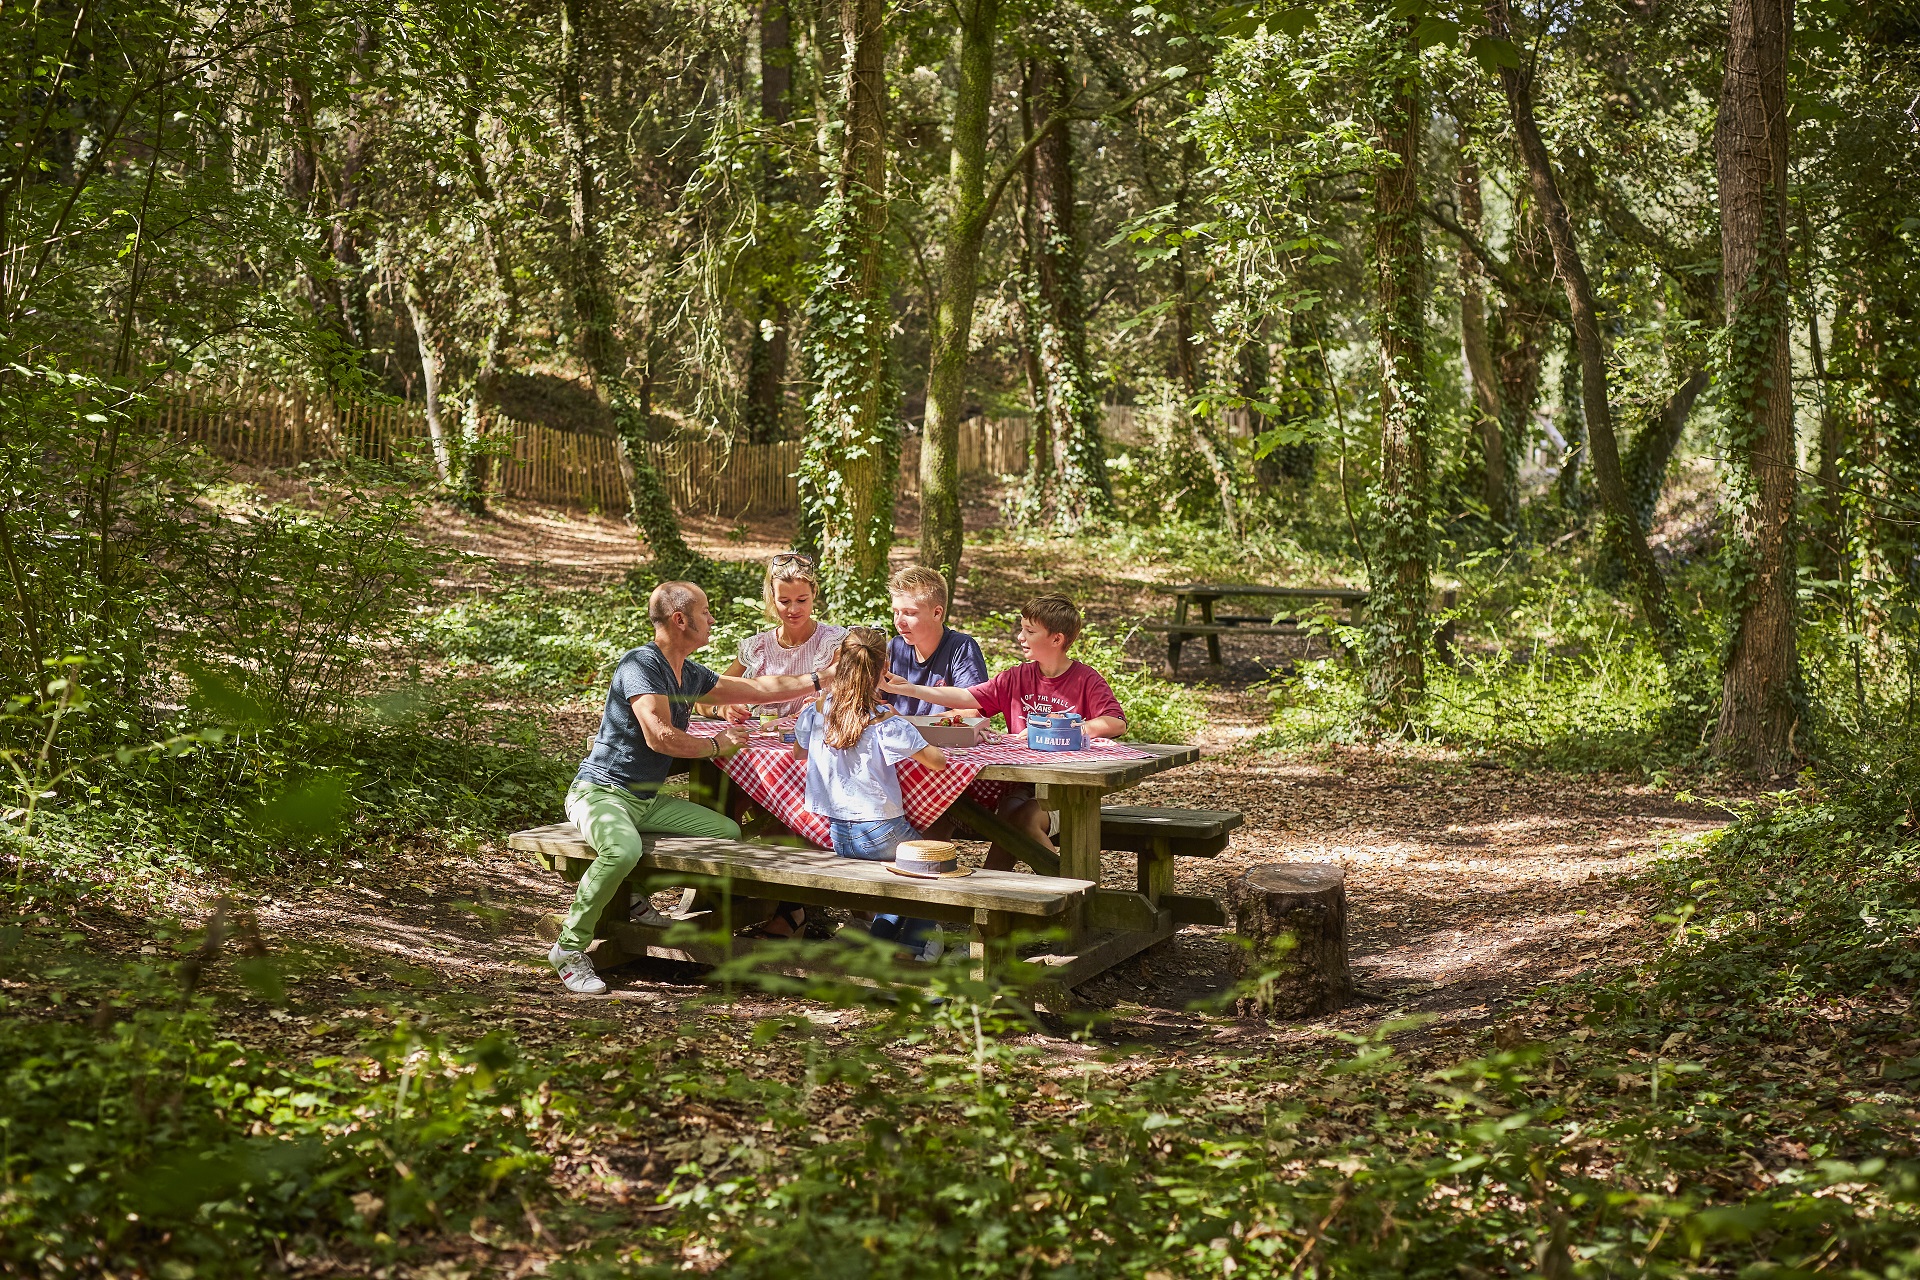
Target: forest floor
x=1469 y=886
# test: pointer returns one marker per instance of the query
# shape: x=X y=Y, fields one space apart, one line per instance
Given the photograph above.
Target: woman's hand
x=737 y=712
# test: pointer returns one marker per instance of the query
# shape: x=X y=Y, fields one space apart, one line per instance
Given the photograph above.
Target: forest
x=364 y=367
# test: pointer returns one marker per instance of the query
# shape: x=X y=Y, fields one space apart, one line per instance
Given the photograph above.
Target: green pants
x=613 y=820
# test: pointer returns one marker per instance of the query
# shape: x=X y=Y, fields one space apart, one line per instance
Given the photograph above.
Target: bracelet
x=816 y=680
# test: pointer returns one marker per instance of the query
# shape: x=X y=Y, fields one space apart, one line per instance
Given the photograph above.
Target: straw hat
x=927 y=860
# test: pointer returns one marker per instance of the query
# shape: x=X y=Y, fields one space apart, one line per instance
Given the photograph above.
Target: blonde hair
x=921 y=583
x=857 y=666
x=788 y=566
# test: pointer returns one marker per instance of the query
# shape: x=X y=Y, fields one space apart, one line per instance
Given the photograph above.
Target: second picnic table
x=1207 y=594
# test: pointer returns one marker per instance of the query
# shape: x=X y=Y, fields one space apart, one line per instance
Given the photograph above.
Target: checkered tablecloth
x=767 y=770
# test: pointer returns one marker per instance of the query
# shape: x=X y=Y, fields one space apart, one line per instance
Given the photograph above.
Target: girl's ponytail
x=857 y=667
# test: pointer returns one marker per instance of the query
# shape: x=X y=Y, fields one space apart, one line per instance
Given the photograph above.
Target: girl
x=852 y=741
x=797 y=645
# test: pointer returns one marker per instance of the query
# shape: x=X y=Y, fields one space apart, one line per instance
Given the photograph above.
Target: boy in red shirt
x=1049 y=682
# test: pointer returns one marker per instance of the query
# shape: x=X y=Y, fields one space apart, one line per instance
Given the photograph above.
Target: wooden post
x=1304 y=901
x=991 y=940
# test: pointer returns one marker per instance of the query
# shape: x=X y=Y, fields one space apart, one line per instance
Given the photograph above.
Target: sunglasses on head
x=786 y=558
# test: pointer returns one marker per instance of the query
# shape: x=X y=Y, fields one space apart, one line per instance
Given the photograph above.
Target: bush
x=155 y=1137
x=1546 y=669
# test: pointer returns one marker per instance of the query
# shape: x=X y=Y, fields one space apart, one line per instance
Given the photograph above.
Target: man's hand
x=729 y=740
x=737 y=712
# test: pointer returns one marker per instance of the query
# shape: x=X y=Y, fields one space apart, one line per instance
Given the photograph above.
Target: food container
x=1060 y=732
x=943 y=731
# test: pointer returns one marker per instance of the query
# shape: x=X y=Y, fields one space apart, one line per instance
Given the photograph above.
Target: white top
x=762 y=654
x=860 y=783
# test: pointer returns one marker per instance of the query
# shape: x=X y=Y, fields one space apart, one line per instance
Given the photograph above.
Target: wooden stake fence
x=270 y=427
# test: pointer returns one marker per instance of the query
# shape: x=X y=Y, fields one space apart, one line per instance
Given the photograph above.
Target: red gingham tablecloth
x=767 y=770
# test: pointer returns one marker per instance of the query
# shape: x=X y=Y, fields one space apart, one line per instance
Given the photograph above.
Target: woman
x=794 y=647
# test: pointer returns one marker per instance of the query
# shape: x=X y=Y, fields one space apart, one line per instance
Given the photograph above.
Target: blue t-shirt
x=956 y=662
x=620 y=755
x=857 y=783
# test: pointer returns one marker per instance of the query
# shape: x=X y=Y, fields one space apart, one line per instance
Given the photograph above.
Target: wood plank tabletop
x=1109 y=774
x=1256 y=589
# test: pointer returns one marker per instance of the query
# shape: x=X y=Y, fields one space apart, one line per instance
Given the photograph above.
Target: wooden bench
x=1158 y=836
x=749 y=879
x=1161 y=835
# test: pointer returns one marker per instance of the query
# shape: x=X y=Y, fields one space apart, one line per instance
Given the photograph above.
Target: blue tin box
x=1055 y=733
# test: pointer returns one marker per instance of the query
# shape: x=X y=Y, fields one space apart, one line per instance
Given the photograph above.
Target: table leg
x=984 y=822
x=1079 y=836
x=1176 y=638
x=1213 y=637
x=1156 y=870
x=991 y=941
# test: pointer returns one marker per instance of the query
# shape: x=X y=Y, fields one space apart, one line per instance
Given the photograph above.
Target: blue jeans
x=875 y=842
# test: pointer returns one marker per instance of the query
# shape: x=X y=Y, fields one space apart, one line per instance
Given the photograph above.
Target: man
x=615 y=798
x=927 y=651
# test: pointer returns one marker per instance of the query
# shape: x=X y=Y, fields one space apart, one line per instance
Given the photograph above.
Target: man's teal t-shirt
x=620 y=755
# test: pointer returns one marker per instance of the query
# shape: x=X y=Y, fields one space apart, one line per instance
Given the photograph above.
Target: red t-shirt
x=1021 y=691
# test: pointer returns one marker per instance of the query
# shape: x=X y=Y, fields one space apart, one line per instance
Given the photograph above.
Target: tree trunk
x=1081 y=492
x=1498 y=485
x=432 y=365
x=1302 y=907
x=767 y=353
x=1397 y=605
x=1759 y=693
x=474 y=466
x=1516 y=327
x=648 y=505
x=1573 y=432
x=1621 y=536
x=1652 y=450
x=1832 y=444
x=941 y=532
x=850 y=470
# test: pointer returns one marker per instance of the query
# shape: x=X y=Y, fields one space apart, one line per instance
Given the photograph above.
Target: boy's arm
x=1104 y=716
x=938 y=695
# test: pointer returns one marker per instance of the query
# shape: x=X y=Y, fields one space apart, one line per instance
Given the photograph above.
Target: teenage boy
x=927 y=651
x=615 y=798
x=1047 y=683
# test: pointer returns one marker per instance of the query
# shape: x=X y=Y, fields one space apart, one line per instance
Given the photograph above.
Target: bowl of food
x=950 y=729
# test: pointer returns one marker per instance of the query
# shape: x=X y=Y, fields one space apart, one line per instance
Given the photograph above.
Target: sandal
x=791 y=914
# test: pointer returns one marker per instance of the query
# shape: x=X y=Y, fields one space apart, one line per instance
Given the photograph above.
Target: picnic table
x=1108 y=924
x=1212 y=625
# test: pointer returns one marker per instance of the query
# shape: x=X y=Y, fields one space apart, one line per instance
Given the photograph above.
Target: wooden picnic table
x=1207 y=594
x=1110 y=924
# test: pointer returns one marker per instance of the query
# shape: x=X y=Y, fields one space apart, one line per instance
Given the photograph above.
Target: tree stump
x=1306 y=901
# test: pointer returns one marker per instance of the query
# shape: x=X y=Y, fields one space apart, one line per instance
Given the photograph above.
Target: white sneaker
x=576 y=971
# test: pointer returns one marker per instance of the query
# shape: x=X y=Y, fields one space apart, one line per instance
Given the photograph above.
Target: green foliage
x=1158 y=710
x=292 y=603
x=292 y=799
x=544 y=641
x=151 y=1135
x=1547 y=669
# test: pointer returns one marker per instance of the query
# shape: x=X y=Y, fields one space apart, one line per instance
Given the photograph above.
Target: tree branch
x=1056 y=120
x=1498 y=271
